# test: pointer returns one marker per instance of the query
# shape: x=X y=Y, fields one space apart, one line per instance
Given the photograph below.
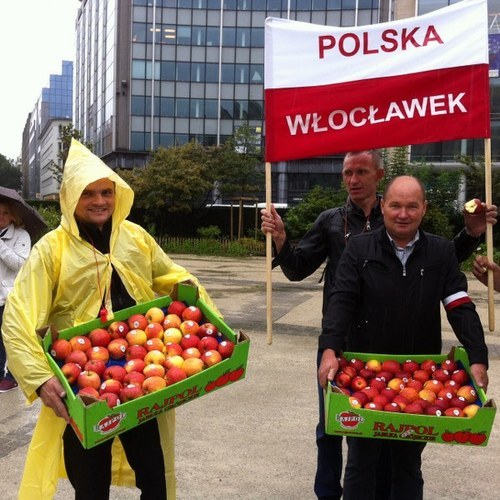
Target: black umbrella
x=33 y=221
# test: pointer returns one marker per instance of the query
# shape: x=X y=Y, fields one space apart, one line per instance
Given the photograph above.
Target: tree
x=10 y=176
x=67 y=133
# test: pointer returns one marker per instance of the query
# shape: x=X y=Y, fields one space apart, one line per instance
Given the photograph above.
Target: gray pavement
x=255 y=440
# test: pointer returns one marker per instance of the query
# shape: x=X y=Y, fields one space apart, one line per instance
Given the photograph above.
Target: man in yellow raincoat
x=95 y=262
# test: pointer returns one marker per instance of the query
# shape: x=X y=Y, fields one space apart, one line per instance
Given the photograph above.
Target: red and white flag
x=330 y=90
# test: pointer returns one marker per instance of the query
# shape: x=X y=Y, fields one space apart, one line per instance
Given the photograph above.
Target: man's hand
x=271 y=222
x=480 y=271
x=51 y=393
x=328 y=367
x=475 y=223
x=479 y=373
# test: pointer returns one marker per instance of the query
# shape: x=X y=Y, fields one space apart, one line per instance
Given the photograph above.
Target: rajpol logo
x=109 y=423
x=349 y=419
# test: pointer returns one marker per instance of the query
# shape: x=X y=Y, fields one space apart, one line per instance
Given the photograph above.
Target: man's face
x=403 y=209
x=97 y=203
x=361 y=177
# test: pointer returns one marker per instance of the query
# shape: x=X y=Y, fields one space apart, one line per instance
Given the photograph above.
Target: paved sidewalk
x=255 y=439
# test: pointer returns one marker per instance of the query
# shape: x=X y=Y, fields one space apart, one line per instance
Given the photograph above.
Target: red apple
x=100 y=337
x=189 y=326
x=117 y=348
x=154 y=330
x=409 y=366
x=192 y=313
x=111 y=399
x=357 y=364
x=391 y=365
x=96 y=365
x=401 y=401
x=413 y=407
x=427 y=395
x=378 y=383
x=409 y=393
x=211 y=358
x=350 y=370
x=89 y=392
x=226 y=348
x=358 y=383
x=458 y=402
x=441 y=374
x=135 y=365
x=371 y=392
x=137 y=322
x=453 y=412
x=474 y=206
x=421 y=375
x=135 y=352
x=460 y=376
x=389 y=393
x=207 y=330
x=207 y=344
x=118 y=329
x=134 y=378
x=342 y=379
x=189 y=340
x=78 y=357
x=71 y=371
x=110 y=385
x=367 y=374
x=468 y=393
x=361 y=397
x=80 y=343
x=445 y=393
x=355 y=402
x=373 y=406
x=88 y=379
x=394 y=407
x=397 y=384
x=433 y=385
x=175 y=374
x=98 y=352
x=380 y=399
x=434 y=410
x=428 y=365
x=60 y=349
x=442 y=403
x=191 y=352
x=115 y=372
x=130 y=392
x=450 y=365
x=173 y=349
x=176 y=307
x=154 y=344
x=415 y=384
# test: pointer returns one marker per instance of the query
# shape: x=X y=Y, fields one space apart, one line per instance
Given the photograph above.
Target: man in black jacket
x=326 y=241
x=387 y=299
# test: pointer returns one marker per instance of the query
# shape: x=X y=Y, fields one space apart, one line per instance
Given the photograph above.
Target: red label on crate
x=407 y=431
x=350 y=419
x=109 y=423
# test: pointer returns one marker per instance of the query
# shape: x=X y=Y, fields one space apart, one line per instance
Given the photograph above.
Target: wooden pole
x=269 y=257
x=489 y=233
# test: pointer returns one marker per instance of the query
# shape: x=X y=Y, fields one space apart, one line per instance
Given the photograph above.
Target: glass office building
x=152 y=73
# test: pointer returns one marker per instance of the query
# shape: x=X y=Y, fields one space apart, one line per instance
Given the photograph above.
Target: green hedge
x=244 y=247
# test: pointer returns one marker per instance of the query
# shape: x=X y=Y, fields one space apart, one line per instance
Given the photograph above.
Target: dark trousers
x=363 y=459
x=89 y=471
x=327 y=484
x=3 y=354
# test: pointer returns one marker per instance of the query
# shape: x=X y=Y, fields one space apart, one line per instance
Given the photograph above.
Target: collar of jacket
x=352 y=208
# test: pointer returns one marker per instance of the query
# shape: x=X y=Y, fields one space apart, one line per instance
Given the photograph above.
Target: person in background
x=15 y=244
x=387 y=297
x=325 y=241
x=95 y=262
x=480 y=267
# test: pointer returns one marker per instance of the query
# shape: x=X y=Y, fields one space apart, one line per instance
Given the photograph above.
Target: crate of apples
x=158 y=355
x=428 y=396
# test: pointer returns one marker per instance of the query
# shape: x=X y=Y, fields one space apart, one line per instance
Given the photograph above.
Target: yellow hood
x=81 y=169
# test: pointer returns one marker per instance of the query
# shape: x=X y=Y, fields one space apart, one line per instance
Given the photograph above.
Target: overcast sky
x=35 y=37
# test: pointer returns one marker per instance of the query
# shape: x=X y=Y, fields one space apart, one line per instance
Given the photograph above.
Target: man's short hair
x=374 y=153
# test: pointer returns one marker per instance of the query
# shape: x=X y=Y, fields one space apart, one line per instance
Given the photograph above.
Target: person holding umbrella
x=15 y=244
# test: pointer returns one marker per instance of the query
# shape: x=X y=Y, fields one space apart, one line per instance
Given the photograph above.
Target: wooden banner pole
x=489 y=233
x=269 y=261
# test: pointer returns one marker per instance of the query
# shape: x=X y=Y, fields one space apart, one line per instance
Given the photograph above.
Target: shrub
x=208 y=232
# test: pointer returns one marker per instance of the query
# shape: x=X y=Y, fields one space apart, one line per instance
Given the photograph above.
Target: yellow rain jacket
x=61 y=284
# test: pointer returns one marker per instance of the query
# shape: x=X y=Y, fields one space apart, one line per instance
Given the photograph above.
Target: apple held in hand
x=474 y=206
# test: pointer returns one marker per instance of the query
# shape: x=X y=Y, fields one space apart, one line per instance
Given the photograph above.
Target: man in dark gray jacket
x=387 y=297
